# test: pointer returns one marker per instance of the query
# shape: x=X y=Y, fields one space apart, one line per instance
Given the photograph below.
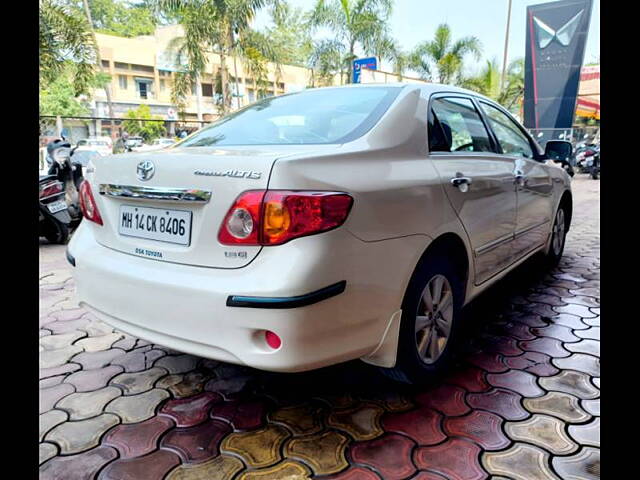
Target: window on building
x=124 y=66
x=105 y=63
x=162 y=85
x=142 y=68
x=144 y=89
x=122 y=81
x=281 y=85
x=207 y=90
x=164 y=73
x=252 y=95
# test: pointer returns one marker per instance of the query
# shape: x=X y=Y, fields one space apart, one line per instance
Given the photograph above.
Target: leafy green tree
x=64 y=40
x=487 y=82
x=289 y=37
x=221 y=26
x=59 y=98
x=116 y=17
x=442 y=59
x=140 y=123
x=355 y=24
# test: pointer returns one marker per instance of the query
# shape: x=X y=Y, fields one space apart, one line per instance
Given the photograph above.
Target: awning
x=588 y=104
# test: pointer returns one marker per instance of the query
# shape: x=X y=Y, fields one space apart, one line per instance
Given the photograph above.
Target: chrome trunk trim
x=155 y=193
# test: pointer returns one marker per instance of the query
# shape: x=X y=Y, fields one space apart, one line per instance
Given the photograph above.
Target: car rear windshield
x=323 y=116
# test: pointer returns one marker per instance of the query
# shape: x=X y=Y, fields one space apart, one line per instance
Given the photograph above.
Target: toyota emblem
x=145 y=170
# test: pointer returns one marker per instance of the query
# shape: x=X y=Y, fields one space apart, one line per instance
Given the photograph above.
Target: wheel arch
x=566 y=200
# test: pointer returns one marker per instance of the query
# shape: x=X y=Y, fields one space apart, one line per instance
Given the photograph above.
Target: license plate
x=57 y=206
x=161 y=224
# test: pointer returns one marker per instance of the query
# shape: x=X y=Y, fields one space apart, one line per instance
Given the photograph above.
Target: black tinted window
x=457 y=127
x=332 y=115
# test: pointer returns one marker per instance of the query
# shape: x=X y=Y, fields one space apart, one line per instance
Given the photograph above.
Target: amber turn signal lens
x=276 y=219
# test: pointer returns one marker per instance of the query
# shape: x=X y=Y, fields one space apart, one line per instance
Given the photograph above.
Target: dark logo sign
x=556 y=38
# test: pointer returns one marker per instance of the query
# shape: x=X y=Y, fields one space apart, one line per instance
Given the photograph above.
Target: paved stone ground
x=523 y=401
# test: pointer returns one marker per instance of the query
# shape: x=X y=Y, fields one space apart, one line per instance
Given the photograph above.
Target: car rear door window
x=512 y=140
x=457 y=127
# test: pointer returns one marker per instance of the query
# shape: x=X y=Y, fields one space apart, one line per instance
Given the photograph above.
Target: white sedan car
x=321 y=226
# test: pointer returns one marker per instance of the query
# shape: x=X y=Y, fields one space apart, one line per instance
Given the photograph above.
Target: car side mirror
x=558 y=150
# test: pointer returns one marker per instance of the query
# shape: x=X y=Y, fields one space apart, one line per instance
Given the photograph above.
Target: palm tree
x=222 y=26
x=487 y=82
x=441 y=59
x=354 y=23
x=65 y=40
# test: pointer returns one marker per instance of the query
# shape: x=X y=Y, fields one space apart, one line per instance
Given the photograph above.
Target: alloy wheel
x=434 y=319
x=558 y=232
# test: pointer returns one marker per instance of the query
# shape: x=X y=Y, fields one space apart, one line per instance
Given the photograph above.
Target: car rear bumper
x=186 y=308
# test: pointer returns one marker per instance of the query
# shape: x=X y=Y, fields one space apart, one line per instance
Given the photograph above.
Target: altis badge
x=230 y=173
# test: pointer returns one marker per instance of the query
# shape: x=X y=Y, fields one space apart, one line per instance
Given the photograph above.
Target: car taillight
x=49 y=189
x=88 y=204
x=274 y=217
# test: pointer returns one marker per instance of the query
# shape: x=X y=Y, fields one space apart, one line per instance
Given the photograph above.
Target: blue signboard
x=371 y=63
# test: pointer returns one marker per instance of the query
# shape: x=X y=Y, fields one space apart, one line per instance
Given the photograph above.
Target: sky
x=414 y=21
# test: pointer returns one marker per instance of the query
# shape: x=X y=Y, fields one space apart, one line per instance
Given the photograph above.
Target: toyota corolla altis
x=322 y=226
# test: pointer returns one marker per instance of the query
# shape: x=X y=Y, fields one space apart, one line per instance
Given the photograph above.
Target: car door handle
x=457 y=181
x=520 y=179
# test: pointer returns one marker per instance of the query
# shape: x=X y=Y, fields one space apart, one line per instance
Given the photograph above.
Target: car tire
x=57 y=233
x=412 y=367
x=558 y=236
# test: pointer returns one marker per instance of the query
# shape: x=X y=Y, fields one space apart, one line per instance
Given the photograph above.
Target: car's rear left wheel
x=430 y=317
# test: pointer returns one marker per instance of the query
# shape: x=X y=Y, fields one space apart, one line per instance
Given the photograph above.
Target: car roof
x=428 y=88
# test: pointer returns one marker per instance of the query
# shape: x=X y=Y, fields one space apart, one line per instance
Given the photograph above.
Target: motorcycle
x=592 y=166
x=584 y=157
x=53 y=215
x=69 y=173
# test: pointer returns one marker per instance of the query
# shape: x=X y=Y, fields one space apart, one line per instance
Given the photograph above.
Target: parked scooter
x=53 y=215
x=62 y=166
x=592 y=165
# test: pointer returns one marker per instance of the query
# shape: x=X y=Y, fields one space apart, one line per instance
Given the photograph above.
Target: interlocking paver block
x=58 y=327
x=259 y=448
x=186 y=385
x=77 y=467
x=49 y=420
x=592 y=406
x=470 y=379
x=591 y=347
x=559 y=332
x=227 y=387
x=481 y=427
x=74 y=437
x=569 y=321
x=89 y=404
x=362 y=422
x=561 y=405
x=447 y=399
x=520 y=462
x=222 y=467
x=139 y=382
x=544 y=431
x=574 y=383
x=355 y=473
x=241 y=415
x=196 y=444
x=88 y=380
x=60 y=370
x=137 y=439
x=46 y=451
x=533 y=362
x=422 y=425
x=455 y=458
x=56 y=342
x=390 y=400
x=490 y=362
x=95 y=344
x=546 y=345
x=287 y=470
x=505 y=403
x=127 y=343
x=585 y=465
x=55 y=358
x=136 y=360
x=580 y=362
x=177 y=363
x=323 y=451
x=390 y=455
x=96 y=328
x=137 y=408
x=154 y=465
x=577 y=310
x=94 y=360
x=520 y=382
x=191 y=411
x=588 y=434
x=300 y=419
x=50 y=396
